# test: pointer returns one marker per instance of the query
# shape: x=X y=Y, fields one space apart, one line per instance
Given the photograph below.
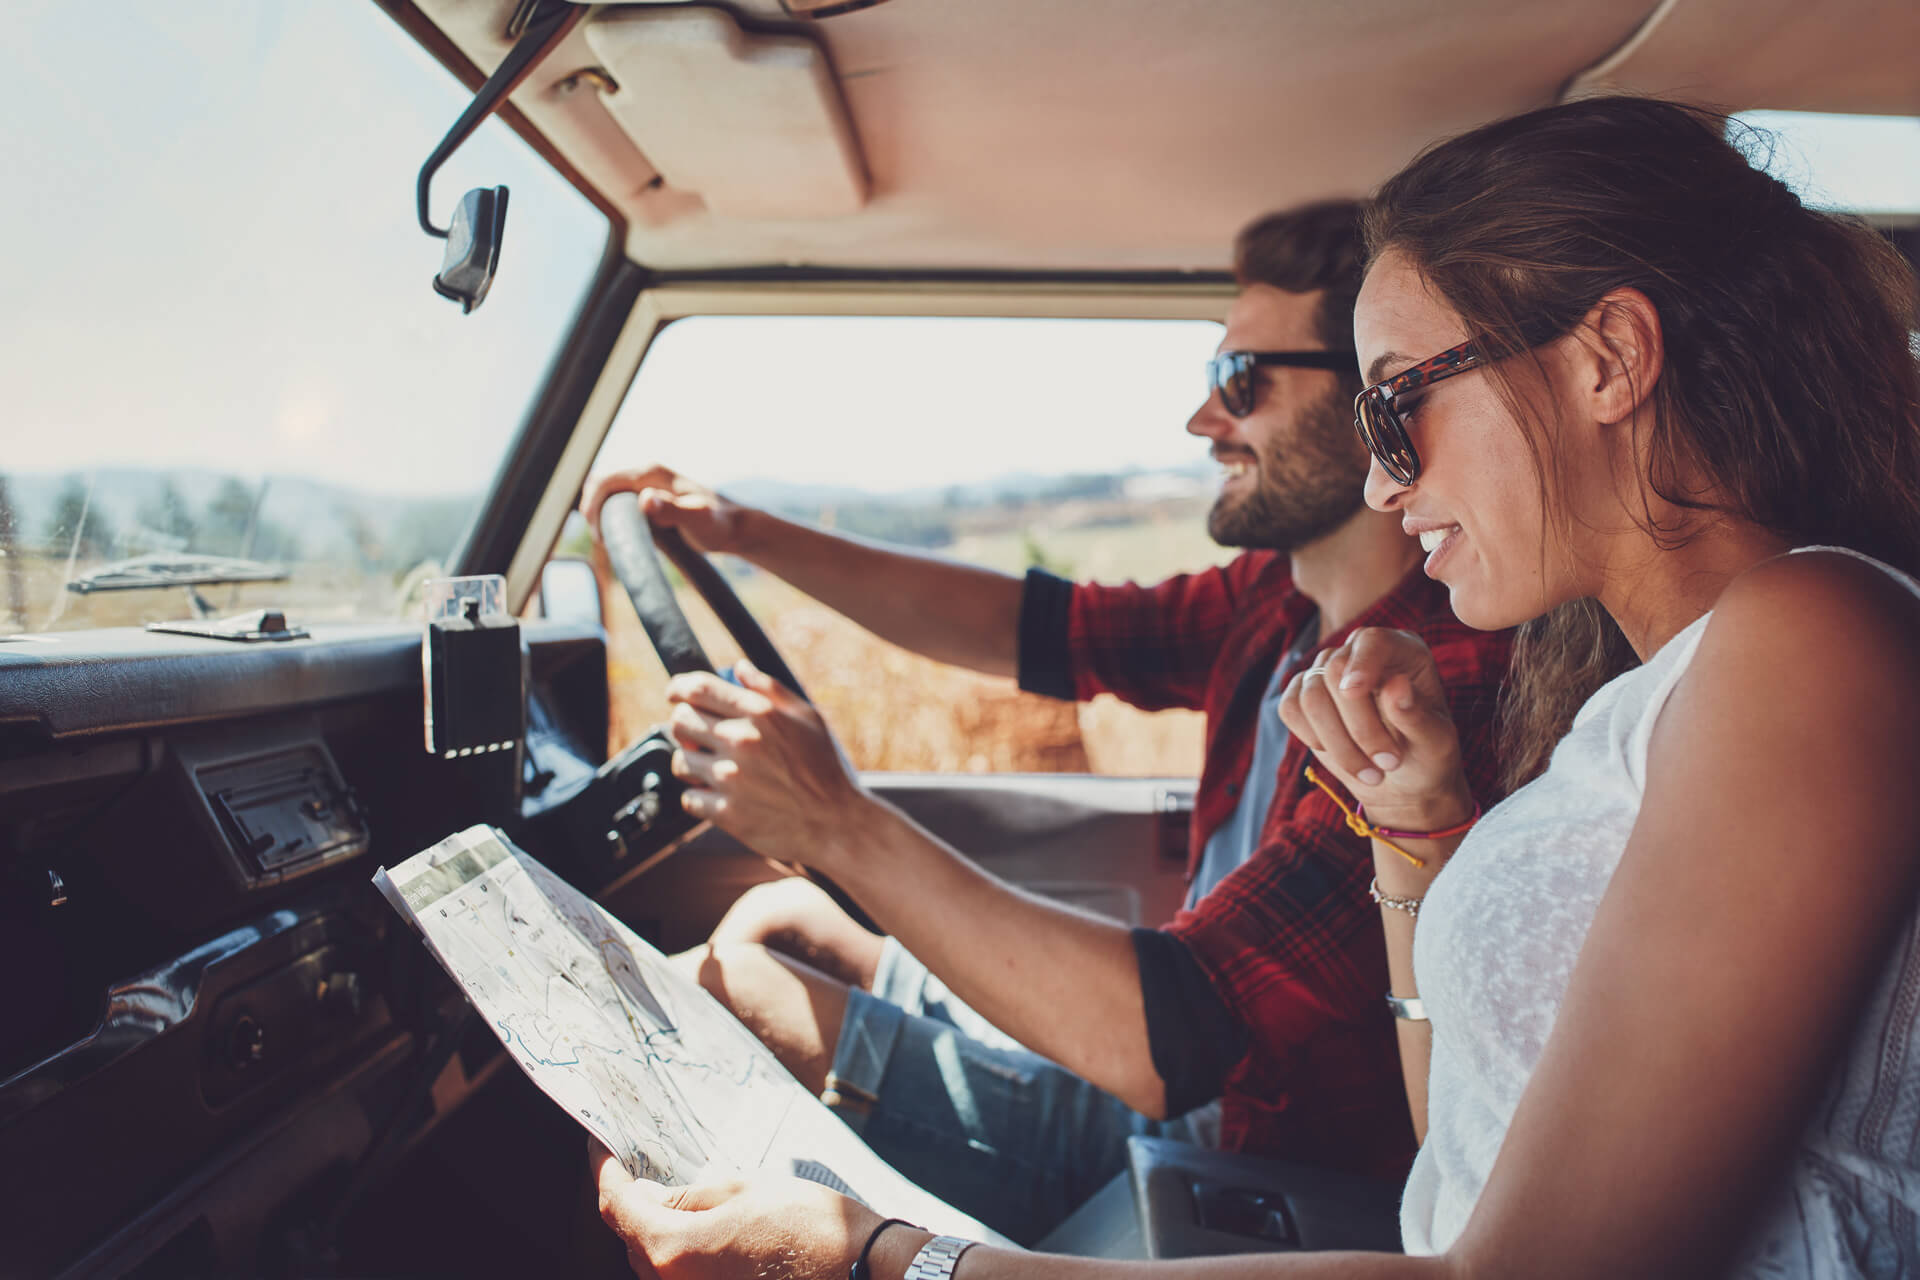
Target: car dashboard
x=217 y=1033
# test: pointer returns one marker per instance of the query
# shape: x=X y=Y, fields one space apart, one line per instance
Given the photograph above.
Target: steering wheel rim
x=630 y=540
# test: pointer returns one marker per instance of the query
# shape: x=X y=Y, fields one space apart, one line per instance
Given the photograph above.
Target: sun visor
x=753 y=124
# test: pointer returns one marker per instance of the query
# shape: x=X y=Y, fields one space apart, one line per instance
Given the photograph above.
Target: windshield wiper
x=177 y=569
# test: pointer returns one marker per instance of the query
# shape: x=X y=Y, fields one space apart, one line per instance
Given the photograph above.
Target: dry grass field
x=34 y=598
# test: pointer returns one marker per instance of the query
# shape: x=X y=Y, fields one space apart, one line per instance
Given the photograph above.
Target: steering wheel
x=630 y=542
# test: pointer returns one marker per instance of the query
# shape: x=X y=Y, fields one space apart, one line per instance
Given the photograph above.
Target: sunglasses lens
x=1380 y=430
x=1231 y=374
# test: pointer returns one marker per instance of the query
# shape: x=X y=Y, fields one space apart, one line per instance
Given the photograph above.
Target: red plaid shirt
x=1290 y=941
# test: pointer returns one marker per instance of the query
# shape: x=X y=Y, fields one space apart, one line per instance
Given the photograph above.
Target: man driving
x=998 y=1047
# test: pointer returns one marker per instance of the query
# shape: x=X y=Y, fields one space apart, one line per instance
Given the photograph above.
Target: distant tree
x=10 y=553
x=76 y=520
x=166 y=512
x=906 y=526
x=361 y=534
x=226 y=517
x=273 y=541
x=230 y=516
x=1085 y=485
x=428 y=530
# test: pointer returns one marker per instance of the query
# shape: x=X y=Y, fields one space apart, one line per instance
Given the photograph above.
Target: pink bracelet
x=1357 y=823
x=1444 y=834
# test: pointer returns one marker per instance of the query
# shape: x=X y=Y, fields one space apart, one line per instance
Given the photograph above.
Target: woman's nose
x=1383 y=492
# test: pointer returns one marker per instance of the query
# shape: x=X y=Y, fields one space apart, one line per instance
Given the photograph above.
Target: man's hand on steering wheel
x=763 y=766
x=800 y=786
x=669 y=500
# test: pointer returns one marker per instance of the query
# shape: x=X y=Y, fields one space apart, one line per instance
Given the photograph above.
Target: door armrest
x=1193 y=1202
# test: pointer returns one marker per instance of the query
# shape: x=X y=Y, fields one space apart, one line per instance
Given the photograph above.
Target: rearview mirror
x=473 y=247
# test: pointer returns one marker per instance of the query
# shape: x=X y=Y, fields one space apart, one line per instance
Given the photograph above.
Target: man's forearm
x=1065 y=984
x=949 y=611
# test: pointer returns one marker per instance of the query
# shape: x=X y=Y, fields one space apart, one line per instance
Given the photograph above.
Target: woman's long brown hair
x=1790 y=376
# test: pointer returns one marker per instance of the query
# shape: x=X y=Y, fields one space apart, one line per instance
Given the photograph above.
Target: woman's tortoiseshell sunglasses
x=1377 y=410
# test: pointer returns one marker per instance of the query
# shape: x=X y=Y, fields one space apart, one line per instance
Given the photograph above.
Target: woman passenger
x=1628 y=386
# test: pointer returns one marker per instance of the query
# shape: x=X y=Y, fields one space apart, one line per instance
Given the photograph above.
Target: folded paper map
x=646 y=1060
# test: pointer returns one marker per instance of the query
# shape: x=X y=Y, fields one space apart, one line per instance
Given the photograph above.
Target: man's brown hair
x=1316 y=248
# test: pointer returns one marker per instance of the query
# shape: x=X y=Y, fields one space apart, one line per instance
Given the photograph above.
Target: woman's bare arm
x=1772 y=863
x=1398 y=880
x=1375 y=715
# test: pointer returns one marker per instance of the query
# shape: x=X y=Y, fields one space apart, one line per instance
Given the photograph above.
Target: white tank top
x=1496 y=944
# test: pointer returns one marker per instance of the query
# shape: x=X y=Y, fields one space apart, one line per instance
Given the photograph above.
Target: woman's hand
x=761 y=763
x=1374 y=713
x=780 y=1228
x=671 y=501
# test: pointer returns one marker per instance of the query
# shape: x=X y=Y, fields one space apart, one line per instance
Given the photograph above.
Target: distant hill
x=931 y=516
x=1011 y=488
x=308 y=519
x=322 y=521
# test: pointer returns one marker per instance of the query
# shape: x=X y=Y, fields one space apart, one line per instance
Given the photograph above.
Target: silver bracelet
x=1408 y=1008
x=937 y=1258
x=1409 y=905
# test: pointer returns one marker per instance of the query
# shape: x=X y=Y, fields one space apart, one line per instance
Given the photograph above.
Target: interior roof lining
x=1145 y=224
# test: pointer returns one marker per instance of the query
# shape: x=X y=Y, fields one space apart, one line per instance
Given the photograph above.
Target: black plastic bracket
x=549 y=22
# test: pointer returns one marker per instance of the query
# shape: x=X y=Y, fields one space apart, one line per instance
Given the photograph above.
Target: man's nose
x=1383 y=492
x=1210 y=420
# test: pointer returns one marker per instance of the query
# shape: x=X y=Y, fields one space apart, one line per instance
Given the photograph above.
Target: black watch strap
x=860 y=1270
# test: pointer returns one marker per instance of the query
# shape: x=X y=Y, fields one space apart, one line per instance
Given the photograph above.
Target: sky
x=212 y=258
x=881 y=404
x=212 y=262
x=1867 y=164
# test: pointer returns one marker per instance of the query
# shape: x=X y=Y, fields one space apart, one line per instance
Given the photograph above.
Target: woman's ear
x=1622 y=353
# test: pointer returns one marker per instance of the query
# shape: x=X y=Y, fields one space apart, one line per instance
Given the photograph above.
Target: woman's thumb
x=1417 y=720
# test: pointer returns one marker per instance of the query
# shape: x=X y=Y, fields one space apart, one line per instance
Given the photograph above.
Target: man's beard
x=1303 y=490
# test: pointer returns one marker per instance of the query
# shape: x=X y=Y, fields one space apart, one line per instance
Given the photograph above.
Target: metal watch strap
x=1408 y=1008
x=937 y=1258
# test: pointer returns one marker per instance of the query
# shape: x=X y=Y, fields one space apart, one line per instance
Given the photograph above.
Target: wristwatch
x=938 y=1257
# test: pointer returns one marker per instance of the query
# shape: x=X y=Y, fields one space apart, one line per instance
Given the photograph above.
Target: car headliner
x=1137 y=135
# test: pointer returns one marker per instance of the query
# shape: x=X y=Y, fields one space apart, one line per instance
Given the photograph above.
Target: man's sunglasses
x=1377 y=410
x=1231 y=373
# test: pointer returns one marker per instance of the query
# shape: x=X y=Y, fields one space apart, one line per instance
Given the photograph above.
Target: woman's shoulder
x=1824 y=613
x=1823 y=589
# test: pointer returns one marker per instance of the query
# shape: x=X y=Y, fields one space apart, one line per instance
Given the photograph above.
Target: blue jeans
x=968 y=1113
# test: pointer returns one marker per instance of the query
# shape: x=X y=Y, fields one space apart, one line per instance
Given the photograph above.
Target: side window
x=1007 y=443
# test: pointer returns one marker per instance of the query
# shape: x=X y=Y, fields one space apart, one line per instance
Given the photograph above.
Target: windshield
x=223 y=356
